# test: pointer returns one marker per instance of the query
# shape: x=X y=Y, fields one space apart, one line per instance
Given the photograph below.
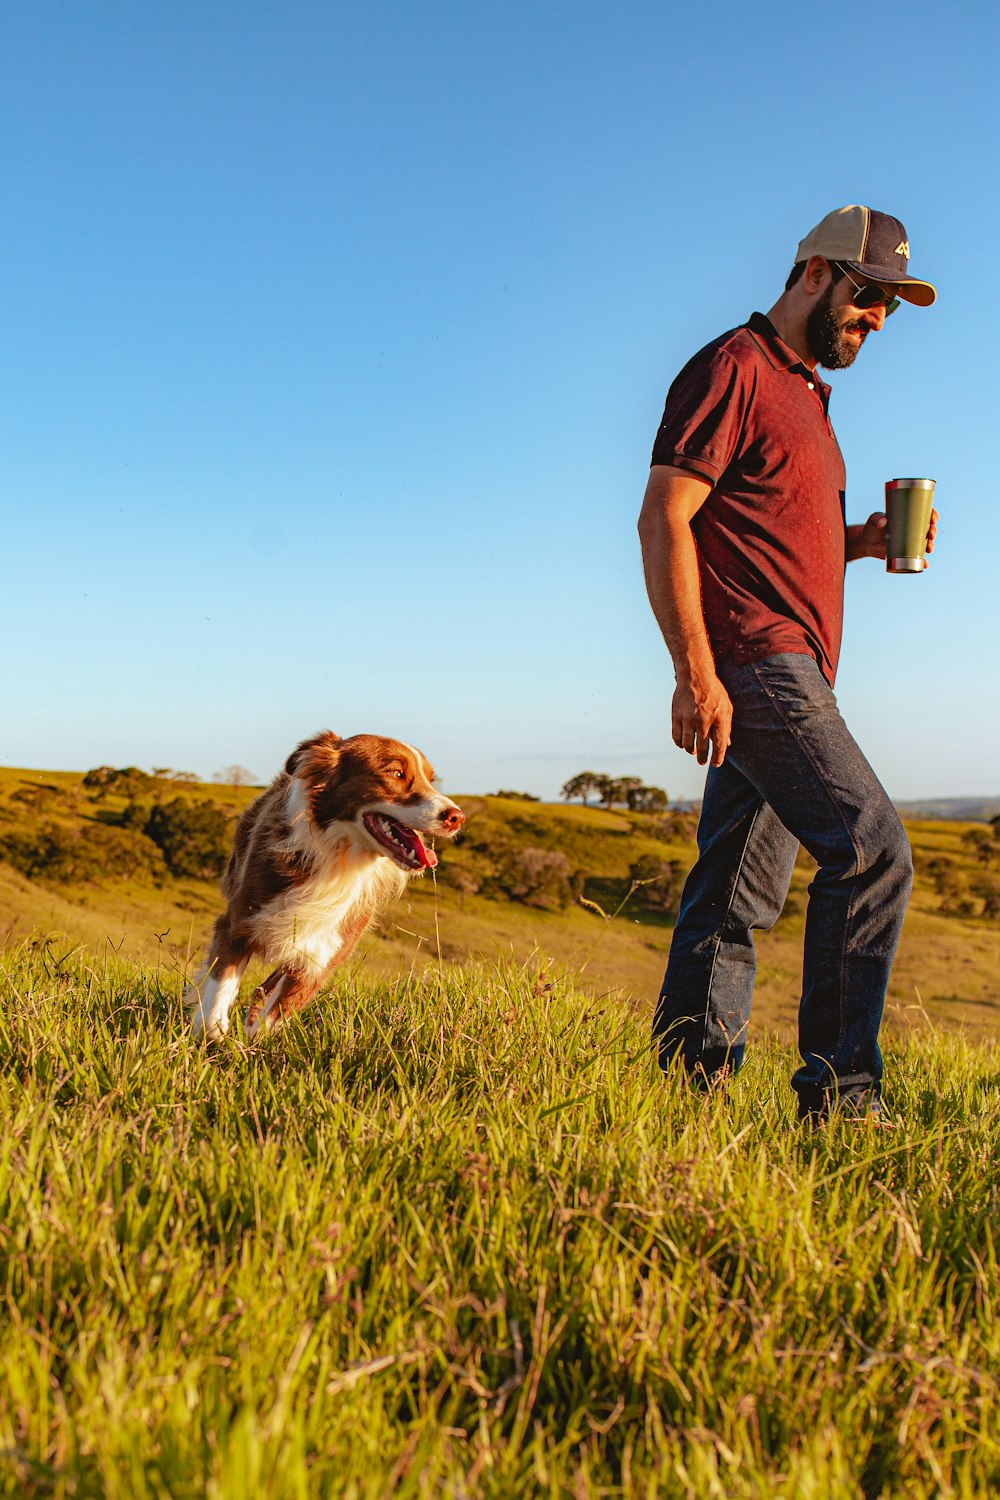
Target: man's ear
x=816 y=274
x=315 y=758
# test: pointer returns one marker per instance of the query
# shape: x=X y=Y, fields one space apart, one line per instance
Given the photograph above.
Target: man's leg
x=791 y=744
x=740 y=880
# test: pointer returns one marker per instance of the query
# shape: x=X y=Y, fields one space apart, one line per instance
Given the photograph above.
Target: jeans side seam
x=718 y=940
x=858 y=855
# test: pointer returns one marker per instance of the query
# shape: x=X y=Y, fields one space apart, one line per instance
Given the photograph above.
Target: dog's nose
x=451 y=818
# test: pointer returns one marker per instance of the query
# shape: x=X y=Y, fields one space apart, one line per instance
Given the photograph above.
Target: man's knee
x=898 y=857
x=886 y=852
x=876 y=847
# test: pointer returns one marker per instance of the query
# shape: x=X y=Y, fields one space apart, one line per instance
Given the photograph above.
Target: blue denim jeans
x=793 y=774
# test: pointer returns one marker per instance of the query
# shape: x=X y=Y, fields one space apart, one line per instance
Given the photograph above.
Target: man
x=744 y=545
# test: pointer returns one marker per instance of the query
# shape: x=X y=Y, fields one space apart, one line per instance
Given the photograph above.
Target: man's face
x=836 y=329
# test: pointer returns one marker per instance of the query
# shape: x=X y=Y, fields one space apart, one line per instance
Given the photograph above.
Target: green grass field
x=451 y=1234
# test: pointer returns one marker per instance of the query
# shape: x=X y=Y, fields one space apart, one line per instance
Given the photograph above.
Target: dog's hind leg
x=284 y=991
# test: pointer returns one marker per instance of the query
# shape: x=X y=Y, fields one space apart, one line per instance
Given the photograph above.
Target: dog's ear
x=316 y=757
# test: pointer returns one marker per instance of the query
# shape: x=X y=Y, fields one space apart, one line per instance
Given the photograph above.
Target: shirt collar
x=779 y=354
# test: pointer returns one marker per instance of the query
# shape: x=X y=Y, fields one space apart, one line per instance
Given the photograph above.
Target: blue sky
x=336 y=338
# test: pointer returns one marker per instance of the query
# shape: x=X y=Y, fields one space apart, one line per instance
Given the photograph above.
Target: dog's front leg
x=211 y=997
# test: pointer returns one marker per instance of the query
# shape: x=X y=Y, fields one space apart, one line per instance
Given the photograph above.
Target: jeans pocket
x=794 y=686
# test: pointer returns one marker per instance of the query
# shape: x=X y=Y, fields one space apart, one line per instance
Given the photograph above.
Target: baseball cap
x=873 y=244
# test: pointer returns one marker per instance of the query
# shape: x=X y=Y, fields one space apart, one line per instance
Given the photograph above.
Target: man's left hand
x=871 y=541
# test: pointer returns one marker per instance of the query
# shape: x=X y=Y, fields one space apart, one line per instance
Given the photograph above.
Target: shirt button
x=810 y=385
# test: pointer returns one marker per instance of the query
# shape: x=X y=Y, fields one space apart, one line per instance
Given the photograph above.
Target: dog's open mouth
x=401 y=843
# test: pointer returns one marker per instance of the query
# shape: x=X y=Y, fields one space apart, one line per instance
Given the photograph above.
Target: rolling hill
x=78 y=869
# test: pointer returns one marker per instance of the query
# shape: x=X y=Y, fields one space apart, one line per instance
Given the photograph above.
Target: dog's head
x=377 y=790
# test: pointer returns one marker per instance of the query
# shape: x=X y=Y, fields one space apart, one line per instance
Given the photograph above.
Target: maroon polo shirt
x=747 y=415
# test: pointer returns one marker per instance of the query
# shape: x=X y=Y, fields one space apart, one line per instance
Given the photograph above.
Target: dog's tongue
x=412 y=839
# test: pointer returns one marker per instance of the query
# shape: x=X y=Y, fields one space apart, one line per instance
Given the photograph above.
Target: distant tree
x=194 y=837
x=582 y=786
x=519 y=796
x=646 y=799
x=607 y=791
x=616 y=789
x=99 y=778
x=125 y=781
x=235 y=776
x=166 y=773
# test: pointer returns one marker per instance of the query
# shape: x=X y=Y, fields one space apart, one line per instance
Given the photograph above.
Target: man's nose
x=875 y=318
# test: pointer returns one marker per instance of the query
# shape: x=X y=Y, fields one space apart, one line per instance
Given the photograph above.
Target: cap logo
x=903 y=249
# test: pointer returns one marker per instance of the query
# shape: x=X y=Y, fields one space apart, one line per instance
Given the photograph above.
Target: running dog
x=332 y=841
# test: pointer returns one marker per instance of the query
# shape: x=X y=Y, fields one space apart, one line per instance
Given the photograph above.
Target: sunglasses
x=869 y=293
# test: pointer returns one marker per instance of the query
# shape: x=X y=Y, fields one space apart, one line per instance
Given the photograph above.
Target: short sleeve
x=704 y=415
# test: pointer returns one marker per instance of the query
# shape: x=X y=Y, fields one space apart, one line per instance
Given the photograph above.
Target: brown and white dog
x=334 y=838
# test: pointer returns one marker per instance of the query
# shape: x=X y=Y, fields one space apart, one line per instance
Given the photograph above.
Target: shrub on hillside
x=538 y=877
x=54 y=852
x=461 y=878
x=987 y=888
x=981 y=845
x=951 y=884
x=658 y=882
x=672 y=827
x=194 y=837
x=39 y=794
x=134 y=815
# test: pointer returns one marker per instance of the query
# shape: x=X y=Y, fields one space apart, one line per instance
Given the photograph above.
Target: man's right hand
x=702 y=719
x=702 y=714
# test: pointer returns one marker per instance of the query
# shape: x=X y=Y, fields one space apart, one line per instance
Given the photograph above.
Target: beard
x=826 y=334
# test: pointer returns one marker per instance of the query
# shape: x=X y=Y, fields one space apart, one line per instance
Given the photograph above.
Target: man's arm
x=869 y=540
x=701 y=714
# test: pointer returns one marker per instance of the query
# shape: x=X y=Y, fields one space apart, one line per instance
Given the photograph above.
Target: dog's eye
x=397 y=773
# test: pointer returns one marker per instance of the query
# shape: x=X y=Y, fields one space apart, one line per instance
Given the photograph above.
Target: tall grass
x=454 y=1235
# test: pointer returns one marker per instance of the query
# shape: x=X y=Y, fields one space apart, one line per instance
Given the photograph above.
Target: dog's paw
x=209 y=1027
x=209 y=1002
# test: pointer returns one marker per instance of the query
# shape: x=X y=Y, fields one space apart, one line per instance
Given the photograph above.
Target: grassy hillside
x=453 y=1235
x=947 y=968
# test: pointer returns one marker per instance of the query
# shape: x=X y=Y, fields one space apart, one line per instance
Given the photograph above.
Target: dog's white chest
x=304 y=927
